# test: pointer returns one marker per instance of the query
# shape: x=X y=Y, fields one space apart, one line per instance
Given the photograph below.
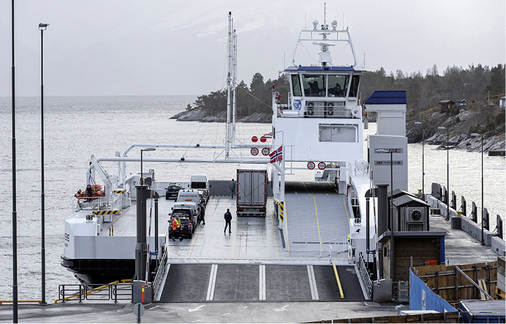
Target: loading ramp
x=250 y=283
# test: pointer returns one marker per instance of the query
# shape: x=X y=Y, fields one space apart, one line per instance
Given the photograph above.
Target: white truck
x=251 y=190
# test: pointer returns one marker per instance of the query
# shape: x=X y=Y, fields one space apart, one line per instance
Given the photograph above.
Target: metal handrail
x=157 y=282
x=78 y=292
x=364 y=274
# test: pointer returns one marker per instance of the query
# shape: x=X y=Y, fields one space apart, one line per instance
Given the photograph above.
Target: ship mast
x=229 y=84
x=234 y=84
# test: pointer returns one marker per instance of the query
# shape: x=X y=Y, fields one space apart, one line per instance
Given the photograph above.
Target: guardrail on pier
x=115 y=291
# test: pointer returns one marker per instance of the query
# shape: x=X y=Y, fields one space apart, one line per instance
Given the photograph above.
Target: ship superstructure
x=319 y=127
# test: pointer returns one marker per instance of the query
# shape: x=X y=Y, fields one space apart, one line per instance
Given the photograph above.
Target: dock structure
x=252 y=264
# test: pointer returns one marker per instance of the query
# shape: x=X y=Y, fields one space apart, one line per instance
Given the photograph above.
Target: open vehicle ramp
x=249 y=283
x=316 y=219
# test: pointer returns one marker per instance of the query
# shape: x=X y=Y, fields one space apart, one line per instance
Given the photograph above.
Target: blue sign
x=297 y=105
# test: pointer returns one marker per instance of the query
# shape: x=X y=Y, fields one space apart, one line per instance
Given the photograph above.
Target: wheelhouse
x=328 y=92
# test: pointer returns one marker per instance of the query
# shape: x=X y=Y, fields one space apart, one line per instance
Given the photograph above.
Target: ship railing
x=160 y=273
x=342 y=243
x=115 y=291
x=96 y=203
x=364 y=275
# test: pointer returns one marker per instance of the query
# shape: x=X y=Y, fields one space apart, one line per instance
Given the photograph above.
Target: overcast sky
x=168 y=47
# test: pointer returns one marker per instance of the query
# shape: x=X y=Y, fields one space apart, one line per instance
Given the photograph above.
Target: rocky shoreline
x=495 y=143
x=201 y=115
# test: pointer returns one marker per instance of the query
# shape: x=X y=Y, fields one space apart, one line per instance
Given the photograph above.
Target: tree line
x=474 y=84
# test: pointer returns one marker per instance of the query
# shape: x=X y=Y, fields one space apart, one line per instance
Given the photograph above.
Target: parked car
x=172 y=191
x=188 y=209
x=186 y=226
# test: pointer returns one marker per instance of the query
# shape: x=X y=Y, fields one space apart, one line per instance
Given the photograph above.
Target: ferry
x=342 y=219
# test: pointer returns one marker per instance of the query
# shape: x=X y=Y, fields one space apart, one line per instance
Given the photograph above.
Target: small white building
x=502 y=102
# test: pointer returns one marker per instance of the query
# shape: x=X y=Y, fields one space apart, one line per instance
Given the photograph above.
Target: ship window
x=296 y=90
x=338 y=133
x=338 y=85
x=314 y=85
x=355 y=81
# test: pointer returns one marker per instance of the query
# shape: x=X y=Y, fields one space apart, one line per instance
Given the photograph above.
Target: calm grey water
x=77 y=127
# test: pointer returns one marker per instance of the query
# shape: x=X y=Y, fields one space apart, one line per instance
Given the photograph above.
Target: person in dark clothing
x=202 y=213
x=231 y=186
x=228 y=221
x=89 y=192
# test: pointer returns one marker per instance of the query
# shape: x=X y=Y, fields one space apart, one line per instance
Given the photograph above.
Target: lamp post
x=42 y=27
x=482 y=211
x=14 y=199
x=145 y=150
x=447 y=173
x=423 y=164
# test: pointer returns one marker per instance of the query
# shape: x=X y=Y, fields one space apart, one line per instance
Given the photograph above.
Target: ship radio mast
x=229 y=84
x=234 y=84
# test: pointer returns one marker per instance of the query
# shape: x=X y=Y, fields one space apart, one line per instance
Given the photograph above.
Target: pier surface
x=237 y=259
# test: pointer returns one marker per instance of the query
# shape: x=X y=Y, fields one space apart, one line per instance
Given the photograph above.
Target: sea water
x=77 y=127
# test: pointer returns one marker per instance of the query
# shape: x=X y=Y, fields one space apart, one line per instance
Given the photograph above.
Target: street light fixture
x=482 y=210
x=423 y=164
x=42 y=27
x=145 y=150
x=447 y=173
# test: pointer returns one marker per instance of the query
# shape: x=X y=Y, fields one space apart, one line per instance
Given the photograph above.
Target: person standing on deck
x=228 y=221
x=232 y=188
x=176 y=229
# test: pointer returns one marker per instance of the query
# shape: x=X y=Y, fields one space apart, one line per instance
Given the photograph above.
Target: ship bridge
x=322 y=119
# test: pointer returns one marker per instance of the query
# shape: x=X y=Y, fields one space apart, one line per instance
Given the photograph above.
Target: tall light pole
x=423 y=164
x=482 y=211
x=447 y=173
x=42 y=27
x=14 y=210
x=145 y=150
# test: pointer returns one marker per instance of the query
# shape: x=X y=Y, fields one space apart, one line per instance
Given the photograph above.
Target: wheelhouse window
x=314 y=85
x=355 y=82
x=296 y=89
x=338 y=85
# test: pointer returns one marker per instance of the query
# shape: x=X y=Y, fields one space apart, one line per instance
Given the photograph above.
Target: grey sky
x=162 y=47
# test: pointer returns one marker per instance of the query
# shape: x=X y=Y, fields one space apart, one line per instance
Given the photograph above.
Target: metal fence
x=364 y=275
x=157 y=282
x=115 y=291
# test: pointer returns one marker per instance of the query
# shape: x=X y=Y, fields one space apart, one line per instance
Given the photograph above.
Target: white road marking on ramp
x=195 y=309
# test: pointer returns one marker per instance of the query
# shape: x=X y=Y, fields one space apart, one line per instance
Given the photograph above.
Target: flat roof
x=407 y=234
x=321 y=68
x=387 y=97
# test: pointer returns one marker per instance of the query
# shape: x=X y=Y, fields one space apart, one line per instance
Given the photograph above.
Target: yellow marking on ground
x=192 y=245
x=338 y=281
x=316 y=213
x=20 y=301
x=317 y=222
